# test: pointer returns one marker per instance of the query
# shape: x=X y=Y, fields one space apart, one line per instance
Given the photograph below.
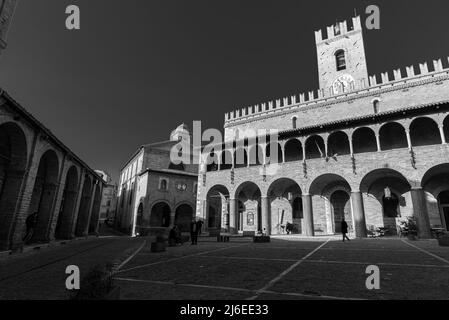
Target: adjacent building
x=154 y=191
x=109 y=197
x=372 y=149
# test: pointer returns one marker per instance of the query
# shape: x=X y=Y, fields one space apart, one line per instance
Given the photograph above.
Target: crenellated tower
x=341 y=58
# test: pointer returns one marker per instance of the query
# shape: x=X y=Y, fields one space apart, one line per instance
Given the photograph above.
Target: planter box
x=222 y=238
x=443 y=242
x=263 y=239
x=158 y=247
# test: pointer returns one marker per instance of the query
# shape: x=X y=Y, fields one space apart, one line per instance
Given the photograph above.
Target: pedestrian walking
x=344 y=229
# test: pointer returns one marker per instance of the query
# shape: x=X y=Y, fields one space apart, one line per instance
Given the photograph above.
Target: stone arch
x=160 y=215
x=184 y=214
x=68 y=204
x=44 y=193
x=315 y=147
x=256 y=156
x=388 y=194
x=293 y=150
x=212 y=162
x=364 y=140
x=435 y=183
x=95 y=214
x=285 y=205
x=217 y=209
x=424 y=131
x=274 y=153
x=13 y=163
x=83 y=211
x=338 y=144
x=327 y=214
x=249 y=213
x=226 y=160
x=240 y=158
x=392 y=136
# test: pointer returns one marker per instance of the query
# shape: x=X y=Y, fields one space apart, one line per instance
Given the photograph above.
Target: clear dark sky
x=139 y=68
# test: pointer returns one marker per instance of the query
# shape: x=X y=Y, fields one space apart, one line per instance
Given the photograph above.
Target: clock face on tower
x=342 y=83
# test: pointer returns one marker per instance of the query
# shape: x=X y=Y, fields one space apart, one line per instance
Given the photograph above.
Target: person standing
x=194 y=232
x=344 y=229
x=199 y=226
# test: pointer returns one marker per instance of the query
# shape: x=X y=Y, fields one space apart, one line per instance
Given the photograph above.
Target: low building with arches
x=155 y=192
x=39 y=174
x=372 y=150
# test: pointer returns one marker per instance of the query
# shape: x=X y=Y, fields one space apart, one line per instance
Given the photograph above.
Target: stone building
x=108 y=198
x=38 y=173
x=372 y=149
x=7 y=8
x=153 y=191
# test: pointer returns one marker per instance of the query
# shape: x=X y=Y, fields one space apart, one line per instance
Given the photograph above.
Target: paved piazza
x=288 y=268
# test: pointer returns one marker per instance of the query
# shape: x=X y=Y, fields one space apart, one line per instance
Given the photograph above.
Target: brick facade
x=35 y=170
x=370 y=137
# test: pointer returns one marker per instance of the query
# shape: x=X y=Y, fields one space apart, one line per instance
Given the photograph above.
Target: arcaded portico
x=40 y=174
x=370 y=149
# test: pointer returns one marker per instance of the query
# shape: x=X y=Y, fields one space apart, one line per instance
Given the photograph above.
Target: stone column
x=309 y=229
x=359 y=214
x=233 y=216
x=443 y=136
x=420 y=213
x=409 y=139
x=379 y=149
x=266 y=225
x=351 y=146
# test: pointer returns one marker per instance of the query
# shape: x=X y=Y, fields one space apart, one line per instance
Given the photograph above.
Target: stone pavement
x=288 y=268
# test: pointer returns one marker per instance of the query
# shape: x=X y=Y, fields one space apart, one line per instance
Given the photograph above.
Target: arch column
x=379 y=149
x=420 y=213
x=443 y=136
x=409 y=139
x=232 y=216
x=358 y=214
x=266 y=225
x=308 y=215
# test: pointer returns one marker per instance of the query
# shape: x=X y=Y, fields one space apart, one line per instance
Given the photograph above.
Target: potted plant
x=98 y=284
x=443 y=240
x=261 y=237
x=410 y=228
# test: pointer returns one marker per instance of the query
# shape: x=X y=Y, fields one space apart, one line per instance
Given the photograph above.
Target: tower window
x=341 y=60
x=294 y=122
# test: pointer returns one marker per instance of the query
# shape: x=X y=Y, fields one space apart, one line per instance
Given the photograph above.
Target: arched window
x=163 y=185
x=294 y=122
x=376 y=106
x=341 y=60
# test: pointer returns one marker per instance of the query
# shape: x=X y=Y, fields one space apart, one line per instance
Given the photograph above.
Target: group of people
x=175 y=237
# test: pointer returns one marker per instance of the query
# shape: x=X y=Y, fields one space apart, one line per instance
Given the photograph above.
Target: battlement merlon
x=338 y=30
x=315 y=97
